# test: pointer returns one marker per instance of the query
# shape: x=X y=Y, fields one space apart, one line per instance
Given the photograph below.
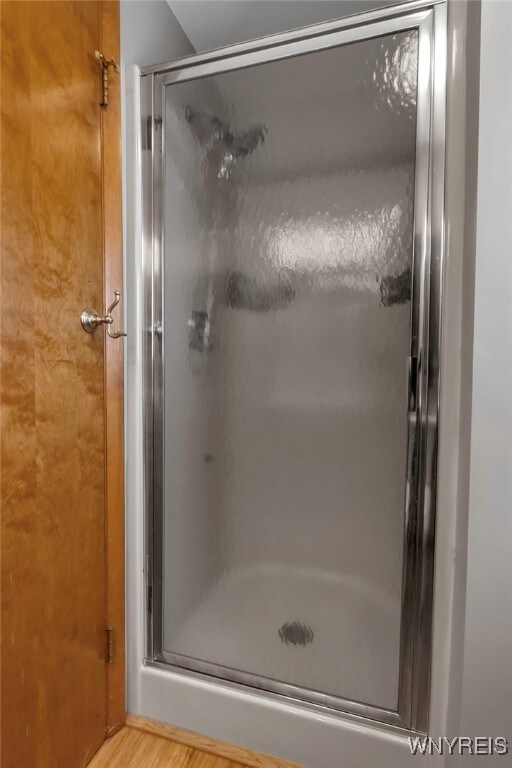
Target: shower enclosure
x=292 y=202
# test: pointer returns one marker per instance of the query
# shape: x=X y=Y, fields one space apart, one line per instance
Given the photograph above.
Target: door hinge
x=105 y=65
x=111 y=645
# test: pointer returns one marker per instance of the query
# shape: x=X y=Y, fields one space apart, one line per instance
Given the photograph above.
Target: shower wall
x=316 y=363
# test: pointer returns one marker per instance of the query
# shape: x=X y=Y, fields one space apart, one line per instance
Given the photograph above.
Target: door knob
x=90 y=319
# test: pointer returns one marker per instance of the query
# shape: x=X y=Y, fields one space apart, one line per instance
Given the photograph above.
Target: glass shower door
x=289 y=314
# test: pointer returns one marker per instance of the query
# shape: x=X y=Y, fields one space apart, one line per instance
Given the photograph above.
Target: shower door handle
x=90 y=319
x=412 y=384
x=412 y=428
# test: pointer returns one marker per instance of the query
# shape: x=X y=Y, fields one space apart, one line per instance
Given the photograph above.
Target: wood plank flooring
x=131 y=748
x=145 y=743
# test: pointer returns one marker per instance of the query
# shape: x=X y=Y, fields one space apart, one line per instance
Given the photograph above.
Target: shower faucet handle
x=90 y=319
x=199 y=330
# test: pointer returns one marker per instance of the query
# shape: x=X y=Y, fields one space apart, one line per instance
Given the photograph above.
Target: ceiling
x=214 y=23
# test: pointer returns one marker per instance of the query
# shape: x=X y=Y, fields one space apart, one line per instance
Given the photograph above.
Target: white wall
x=487 y=675
x=215 y=23
x=150 y=33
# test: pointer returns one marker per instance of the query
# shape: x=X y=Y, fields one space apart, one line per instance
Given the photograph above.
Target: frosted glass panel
x=288 y=216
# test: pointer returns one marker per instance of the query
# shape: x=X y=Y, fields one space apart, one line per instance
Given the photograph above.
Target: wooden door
x=60 y=388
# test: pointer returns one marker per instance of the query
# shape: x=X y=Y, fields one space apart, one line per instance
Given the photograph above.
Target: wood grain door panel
x=53 y=487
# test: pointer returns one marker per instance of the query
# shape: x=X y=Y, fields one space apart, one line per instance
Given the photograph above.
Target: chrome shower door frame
x=429 y=18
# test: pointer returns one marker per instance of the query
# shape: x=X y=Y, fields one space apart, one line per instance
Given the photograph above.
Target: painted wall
x=487 y=675
x=149 y=33
x=215 y=23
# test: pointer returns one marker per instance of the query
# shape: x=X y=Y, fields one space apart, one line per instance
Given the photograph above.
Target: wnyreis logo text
x=460 y=745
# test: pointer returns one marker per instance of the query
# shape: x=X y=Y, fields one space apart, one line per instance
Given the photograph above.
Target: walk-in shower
x=292 y=201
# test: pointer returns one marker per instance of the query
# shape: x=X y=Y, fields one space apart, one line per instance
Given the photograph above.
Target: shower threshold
x=296 y=625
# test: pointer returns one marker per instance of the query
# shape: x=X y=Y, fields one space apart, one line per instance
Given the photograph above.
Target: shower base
x=322 y=631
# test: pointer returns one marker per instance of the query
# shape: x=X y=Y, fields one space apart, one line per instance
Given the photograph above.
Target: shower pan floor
x=323 y=631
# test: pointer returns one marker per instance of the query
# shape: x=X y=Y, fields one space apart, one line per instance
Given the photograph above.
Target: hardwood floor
x=145 y=743
x=135 y=749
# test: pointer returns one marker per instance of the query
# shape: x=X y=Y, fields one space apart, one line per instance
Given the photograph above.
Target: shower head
x=208 y=128
x=244 y=143
x=205 y=126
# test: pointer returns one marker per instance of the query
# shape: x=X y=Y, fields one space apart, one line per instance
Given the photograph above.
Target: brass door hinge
x=105 y=65
x=111 y=645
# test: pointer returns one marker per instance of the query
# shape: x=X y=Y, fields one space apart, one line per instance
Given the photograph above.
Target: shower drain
x=296 y=633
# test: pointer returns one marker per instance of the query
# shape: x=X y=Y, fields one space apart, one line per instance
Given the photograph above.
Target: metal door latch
x=90 y=319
